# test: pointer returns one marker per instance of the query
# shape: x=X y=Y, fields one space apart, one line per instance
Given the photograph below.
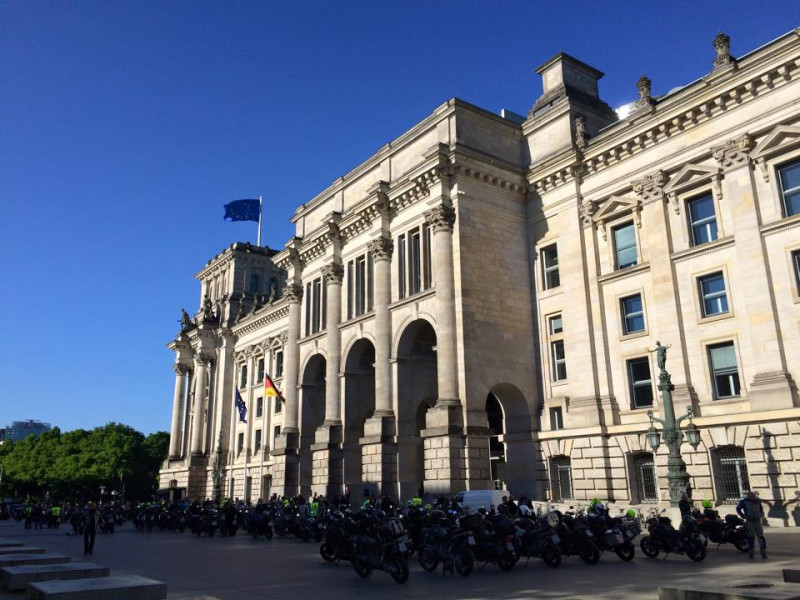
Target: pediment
x=780 y=139
x=614 y=205
x=689 y=176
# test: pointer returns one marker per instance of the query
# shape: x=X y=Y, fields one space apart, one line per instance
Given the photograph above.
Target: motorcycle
x=575 y=538
x=494 y=540
x=665 y=538
x=208 y=523
x=382 y=551
x=258 y=524
x=444 y=543
x=731 y=530
x=615 y=534
x=534 y=539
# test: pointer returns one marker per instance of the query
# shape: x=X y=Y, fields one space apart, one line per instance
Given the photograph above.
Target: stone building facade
x=474 y=306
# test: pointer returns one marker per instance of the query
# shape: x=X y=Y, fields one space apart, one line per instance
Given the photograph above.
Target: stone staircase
x=47 y=576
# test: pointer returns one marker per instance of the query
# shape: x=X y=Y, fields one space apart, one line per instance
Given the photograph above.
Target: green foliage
x=75 y=464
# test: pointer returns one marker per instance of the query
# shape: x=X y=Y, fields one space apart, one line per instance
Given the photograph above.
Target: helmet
x=630 y=513
x=707 y=504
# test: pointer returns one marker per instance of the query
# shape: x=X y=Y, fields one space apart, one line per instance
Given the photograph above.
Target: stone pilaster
x=201 y=364
x=176 y=430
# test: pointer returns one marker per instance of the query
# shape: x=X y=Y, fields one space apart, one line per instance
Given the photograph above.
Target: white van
x=475 y=499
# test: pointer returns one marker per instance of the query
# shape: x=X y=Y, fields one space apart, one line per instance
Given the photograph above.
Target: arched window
x=644 y=483
x=730 y=469
x=254 y=283
x=561 y=468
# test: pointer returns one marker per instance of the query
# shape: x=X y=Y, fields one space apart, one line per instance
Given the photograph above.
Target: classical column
x=333 y=274
x=200 y=387
x=381 y=250
x=176 y=432
x=294 y=295
x=251 y=413
x=441 y=220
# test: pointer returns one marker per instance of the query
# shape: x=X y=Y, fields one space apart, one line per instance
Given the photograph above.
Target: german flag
x=271 y=390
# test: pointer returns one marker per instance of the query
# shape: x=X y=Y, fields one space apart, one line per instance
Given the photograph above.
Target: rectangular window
x=259 y=406
x=625 y=245
x=733 y=481
x=715 y=298
x=640 y=382
x=556 y=325
x=559 y=360
x=308 y=308
x=257 y=446
x=632 y=314
x=350 y=288
x=240 y=444
x=414 y=262
x=276 y=434
x=644 y=470
x=360 y=285
x=790 y=188
x=703 y=220
x=796 y=265
x=279 y=364
x=426 y=254
x=370 y=286
x=316 y=312
x=243 y=377
x=401 y=266
x=260 y=370
x=724 y=369
x=550 y=274
x=278 y=406
x=556 y=418
x=562 y=478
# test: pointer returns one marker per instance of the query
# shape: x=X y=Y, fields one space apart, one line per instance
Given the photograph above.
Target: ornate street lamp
x=677 y=476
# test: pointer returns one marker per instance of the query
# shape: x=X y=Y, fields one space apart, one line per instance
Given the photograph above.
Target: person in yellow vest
x=314 y=508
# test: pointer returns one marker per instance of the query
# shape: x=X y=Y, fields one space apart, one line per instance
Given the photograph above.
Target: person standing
x=685 y=505
x=752 y=511
x=89 y=528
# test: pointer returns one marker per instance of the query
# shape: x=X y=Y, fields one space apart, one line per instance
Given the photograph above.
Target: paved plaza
x=241 y=568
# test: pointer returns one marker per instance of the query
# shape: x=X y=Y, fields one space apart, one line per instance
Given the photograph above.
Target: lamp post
x=677 y=477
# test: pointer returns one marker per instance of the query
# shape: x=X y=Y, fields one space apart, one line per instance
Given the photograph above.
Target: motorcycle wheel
x=328 y=554
x=589 y=553
x=626 y=551
x=506 y=561
x=741 y=544
x=464 y=563
x=648 y=547
x=551 y=556
x=695 y=550
x=361 y=568
x=398 y=569
x=427 y=560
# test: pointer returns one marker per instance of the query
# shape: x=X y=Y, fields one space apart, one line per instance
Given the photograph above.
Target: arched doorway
x=511 y=451
x=312 y=414
x=417 y=390
x=359 y=404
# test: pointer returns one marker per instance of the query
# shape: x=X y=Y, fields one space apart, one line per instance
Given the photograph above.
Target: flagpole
x=258 y=240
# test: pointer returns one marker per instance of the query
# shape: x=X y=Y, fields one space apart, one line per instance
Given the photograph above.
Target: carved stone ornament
x=588 y=209
x=381 y=248
x=181 y=369
x=643 y=86
x=733 y=153
x=722 y=44
x=202 y=360
x=333 y=273
x=650 y=187
x=441 y=218
x=293 y=292
x=581 y=137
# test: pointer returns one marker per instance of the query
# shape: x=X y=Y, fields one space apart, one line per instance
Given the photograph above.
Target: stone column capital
x=202 y=360
x=381 y=248
x=441 y=218
x=293 y=292
x=333 y=274
x=181 y=369
x=733 y=153
x=650 y=187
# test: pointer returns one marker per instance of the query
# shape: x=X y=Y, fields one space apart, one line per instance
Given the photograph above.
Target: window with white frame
x=730 y=466
x=724 y=370
x=550 y=274
x=632 y=314
x=276 y=432
x=240 y=444
x=796 y=266
x=243 y=377
x=702 y=219
x=625 y=253
x=257 y=445
x=713 y=294
x=644 y=476
x=278 y=405
x=556 y=418
x=260 y=370
x=558 y=358
x=562 y=478
x=278 y=364
x=641 y=382
x=259 y=406
x=414 y=261
x=316 y=297
x=789 y=176
x=359 y=285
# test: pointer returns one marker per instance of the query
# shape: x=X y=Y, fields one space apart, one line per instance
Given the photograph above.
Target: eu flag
x=242 y=210
x=240 y=406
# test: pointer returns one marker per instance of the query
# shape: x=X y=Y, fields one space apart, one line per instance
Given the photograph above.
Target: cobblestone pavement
x=241 y=568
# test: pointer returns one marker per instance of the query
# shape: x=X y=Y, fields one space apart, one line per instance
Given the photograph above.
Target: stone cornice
x=703 y=249
x=263 y=317
x=237 y=249
x=687 y=108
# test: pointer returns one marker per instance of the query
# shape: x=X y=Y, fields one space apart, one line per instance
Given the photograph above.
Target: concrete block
x=22 y=550
x=17 y=578
x=129 y=587
x=13 y=560
x=791 y=575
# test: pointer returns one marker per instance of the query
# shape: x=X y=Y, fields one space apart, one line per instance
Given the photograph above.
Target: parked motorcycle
x=665 y=538
x=442 y=542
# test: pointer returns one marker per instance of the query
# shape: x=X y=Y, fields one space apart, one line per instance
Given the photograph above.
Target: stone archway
x=511 y=449
x=359 y=404
x=417 y=390
x=312 y=414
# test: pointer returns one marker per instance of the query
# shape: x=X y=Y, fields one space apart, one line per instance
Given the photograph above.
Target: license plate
x=555 y=539
x=509 y=546
x=402 y=546
x=471 y=540
x=702 y=538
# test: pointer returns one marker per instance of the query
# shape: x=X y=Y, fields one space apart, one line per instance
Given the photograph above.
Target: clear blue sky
x=125 y=126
